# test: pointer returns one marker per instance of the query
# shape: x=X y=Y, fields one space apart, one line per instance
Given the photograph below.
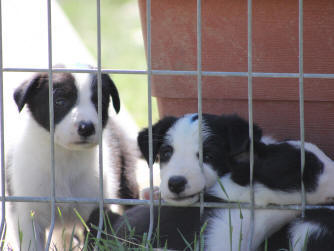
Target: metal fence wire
x=100 y=201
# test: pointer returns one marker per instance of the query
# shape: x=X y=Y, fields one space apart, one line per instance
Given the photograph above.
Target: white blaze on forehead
x=183 y=137
x=85 y=109
x=83 y=82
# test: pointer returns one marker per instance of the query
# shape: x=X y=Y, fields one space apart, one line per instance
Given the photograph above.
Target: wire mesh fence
x=199 y=73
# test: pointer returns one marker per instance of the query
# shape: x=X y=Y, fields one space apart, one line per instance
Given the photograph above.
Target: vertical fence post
x=301 y=103
x=149 y=96
x=199 y=94
x=2 y=135
x=250 y=119
x=99 y=113
x=51 y=119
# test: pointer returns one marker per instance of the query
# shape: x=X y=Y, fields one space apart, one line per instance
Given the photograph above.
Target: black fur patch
x=125 y=191
x=228 y=135
x=277 y=166
x=194 y=118
x=158 y=133
x=35 y=93
x=108 y=89
x=177 y=225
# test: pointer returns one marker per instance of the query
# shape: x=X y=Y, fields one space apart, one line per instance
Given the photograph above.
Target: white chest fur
x=76 y=172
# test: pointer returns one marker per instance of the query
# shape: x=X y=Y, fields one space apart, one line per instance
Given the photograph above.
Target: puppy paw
x=145 y=193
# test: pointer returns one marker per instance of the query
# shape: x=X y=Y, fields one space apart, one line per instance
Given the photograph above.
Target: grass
x=110 y=240
x=122 y=47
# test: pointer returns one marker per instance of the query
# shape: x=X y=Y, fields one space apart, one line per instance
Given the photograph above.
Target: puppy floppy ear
x=112 y=91
x=158 y=133
x=25 y=91
x=238 y=134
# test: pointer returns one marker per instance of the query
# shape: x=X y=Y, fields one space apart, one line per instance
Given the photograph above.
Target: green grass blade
x=305 y=241
x=184 y=239
x=266 y=244
x=32 y=216
x=241 y=216
x=240 y=235
x=81 y=219
x=158 y=222
x=72 y=237
x=20 y=234
x=230 y=228
x=201 y=236
x=223 y=188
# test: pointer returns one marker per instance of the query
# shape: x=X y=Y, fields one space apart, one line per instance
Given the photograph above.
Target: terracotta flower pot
x=224 y=48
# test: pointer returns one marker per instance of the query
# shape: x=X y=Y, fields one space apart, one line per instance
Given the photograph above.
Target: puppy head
x=75 y=105
x=176 y=145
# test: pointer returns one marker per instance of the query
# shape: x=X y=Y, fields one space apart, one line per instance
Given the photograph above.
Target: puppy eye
x=206 y=157
x=60 y=102
x=165 y=153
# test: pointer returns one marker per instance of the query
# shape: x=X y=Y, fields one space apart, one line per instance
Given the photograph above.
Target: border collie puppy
x=226 y=156
x=76 y=152
x=176 y=146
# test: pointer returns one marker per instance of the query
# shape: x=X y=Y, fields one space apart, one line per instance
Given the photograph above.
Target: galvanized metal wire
x=65 y=200
x=99 y=112
x=51 y=120
x=2 y=139
x=250 y=119
x=175 y=72
x=149 y=100
x=199 y=95
x=301 y=104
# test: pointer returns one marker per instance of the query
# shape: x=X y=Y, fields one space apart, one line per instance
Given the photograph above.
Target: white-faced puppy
x=176 y=146
x=76 y=152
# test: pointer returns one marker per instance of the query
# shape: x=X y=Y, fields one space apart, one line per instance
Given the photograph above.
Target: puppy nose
x=86 y=128
x=177 y=184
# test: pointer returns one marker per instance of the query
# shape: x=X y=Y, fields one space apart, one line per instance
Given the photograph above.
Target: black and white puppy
x=226 y=156
x=176 y=146
x=76 y=152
